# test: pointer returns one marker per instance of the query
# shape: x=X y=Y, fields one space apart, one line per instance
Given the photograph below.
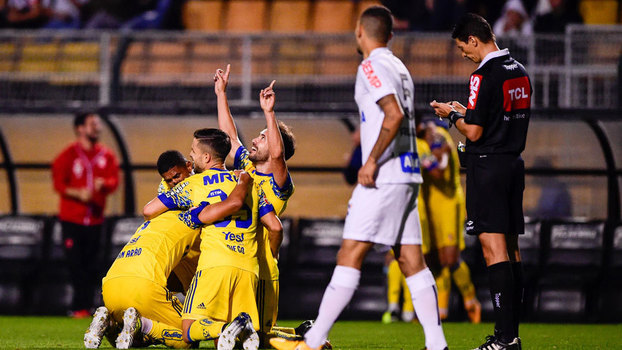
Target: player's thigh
x=446 y=221
x=243 y=296
x=385 y=215
x=267 y=303
x=150 y=299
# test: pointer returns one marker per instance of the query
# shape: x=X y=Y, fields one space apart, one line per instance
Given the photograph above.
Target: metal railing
x=140 y=71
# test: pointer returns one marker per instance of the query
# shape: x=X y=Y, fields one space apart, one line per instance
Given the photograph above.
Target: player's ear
x=189 y=165
x=472 y=40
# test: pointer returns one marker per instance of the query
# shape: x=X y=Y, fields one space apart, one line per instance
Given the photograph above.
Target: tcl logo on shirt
x=370 y=75
x=516 y=94
x=476 y=81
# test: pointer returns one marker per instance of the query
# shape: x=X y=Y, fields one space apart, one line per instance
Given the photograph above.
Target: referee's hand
x=441 y=109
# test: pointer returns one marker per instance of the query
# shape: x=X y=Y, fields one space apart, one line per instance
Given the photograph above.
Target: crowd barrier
x=573 y=269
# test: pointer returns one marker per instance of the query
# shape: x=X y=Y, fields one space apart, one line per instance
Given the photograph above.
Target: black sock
x=519 y=290
x=502 y=295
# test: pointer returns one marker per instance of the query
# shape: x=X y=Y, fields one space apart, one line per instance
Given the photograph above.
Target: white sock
x=425 y=299
x=338 y=294
x=146 y=325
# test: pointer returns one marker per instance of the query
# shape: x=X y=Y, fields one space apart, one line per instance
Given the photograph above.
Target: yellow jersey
x=448 y=186
x=155 y=249
x=229 y=242
x=277 y=196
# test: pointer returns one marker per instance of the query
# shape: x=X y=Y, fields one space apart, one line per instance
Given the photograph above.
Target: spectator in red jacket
x=84 y=173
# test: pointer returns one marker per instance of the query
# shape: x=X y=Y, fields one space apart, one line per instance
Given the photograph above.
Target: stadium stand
x=202 y=15
x=289 y=16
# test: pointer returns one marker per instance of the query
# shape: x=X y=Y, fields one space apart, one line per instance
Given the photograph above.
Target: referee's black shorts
x=494 y=194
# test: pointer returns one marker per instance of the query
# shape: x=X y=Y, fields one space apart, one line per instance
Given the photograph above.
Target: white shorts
x=385 y=215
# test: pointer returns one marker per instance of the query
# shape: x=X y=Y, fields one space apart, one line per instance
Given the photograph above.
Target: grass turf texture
x=65 y=333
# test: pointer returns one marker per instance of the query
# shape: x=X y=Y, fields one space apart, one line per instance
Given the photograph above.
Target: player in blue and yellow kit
x=136 y=282
x=226 y=277
x=266 y=162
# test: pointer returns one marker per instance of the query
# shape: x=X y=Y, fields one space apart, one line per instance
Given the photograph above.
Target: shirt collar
x=378 y=51
x=492 y=55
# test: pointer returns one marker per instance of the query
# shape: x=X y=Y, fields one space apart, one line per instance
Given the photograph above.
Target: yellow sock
x=205 y=329
x=408 y=301
x=443 y=285
x=167 y=335
x=462 y=278
x=394 y=279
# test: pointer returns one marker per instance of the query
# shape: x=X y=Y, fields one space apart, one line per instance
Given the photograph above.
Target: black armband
x=453 y=117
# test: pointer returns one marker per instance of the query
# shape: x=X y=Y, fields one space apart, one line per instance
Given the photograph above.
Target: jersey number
x=237 y=217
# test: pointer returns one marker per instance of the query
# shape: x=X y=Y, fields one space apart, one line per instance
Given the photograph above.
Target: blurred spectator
x=554 y=15
x=65 y=14
x=555 y=201
x=30 y=14
x=514 y=20
x=84 y=174
x=428 y=15
x=3 y=12
x=112 y=14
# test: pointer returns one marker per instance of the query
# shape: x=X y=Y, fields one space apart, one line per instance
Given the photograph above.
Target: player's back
x=380 y=75
x=155 y=249
x=448 y=185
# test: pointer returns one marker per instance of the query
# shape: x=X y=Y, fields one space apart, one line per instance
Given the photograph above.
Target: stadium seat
x=290 y=16
x=22 y=240
x=609 y=301
x=333 y=16
x=205 y=15
x=361 y=5
x=572 y=270
x=245 y=16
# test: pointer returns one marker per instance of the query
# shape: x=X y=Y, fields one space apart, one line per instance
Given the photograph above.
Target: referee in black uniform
x=495 y=124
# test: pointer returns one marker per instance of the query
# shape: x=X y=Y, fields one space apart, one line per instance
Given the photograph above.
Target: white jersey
x=383 y=74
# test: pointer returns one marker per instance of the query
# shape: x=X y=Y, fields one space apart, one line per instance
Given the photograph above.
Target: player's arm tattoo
x=393 y=115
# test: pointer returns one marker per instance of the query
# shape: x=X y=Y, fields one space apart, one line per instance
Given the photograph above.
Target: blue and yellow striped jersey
x=155 y=249
x=277 y=196
x=232 y=241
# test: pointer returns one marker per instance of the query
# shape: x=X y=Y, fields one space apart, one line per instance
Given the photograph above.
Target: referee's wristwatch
x=453 y=117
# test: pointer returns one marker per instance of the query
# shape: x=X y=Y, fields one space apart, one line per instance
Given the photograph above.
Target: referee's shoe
x=492 y=343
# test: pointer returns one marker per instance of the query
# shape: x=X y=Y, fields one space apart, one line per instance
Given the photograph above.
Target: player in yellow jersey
x=226 y=277
x=173 y=167
x=396 y=282
x=266 y=162
x=446 y=213
x=136 y=282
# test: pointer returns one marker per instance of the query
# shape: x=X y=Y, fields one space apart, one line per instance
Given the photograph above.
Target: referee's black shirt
x=499 y=102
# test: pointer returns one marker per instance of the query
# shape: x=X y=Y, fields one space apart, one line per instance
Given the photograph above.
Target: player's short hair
x=169 y=159
x=475 y=25
x=80 y=118
x=289 y=141
x=215 y=141
x=378 y=23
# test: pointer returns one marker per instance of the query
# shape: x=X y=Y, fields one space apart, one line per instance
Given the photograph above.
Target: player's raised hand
x=267 y=98
x=221 y=79
x=244 y=178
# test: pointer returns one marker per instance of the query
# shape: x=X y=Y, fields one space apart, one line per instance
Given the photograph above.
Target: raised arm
x=225 y=119
x=275 y=232
x=233 y=203
x=275 y=141
x=393 y=116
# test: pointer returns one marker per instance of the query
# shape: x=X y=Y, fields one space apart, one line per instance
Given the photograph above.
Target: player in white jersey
x=383 y=207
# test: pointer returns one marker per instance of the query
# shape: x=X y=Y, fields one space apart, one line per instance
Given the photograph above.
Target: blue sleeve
x=167 y=200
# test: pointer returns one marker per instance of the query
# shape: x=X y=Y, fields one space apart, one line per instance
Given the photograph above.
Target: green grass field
x=66 y=333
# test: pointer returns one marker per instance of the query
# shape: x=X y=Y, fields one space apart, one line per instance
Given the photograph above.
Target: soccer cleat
x=492 y=343
x=474 y=310
x=390 y=316
x=226 y=340
x=131 y=329
x=249 y=337
x=303 y=328
x=284 y=344
x=93 y=335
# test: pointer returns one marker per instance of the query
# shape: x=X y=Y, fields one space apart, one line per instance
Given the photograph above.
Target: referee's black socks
x=502 y=290
x=519 y=291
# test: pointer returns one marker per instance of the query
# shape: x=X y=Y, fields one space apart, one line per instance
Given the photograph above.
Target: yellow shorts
x=220 y=294
x=267 y=304
x=150 y=299
x=446 y=220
